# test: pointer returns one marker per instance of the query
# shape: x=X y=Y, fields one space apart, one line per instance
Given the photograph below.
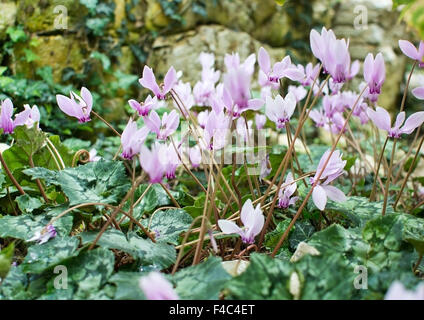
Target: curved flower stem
x=184 y=243
x=170 y=195
x=10 y=175
x=374 y=184
x=116 y=211
x=409 y=172
x=305 y=201
x=205 y=215
x=106 y=123
x=56 y=152
x=405 y=92
x=38 y=182
x=389 y=176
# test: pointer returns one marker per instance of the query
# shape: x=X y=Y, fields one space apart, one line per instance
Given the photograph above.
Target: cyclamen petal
x=319 y=196
x=411 y=51
x=380 y=117
x=229 y=227
x=414 y=121
x=156 y=287
x=80 y=109
x=334 y=193
x=418 y=93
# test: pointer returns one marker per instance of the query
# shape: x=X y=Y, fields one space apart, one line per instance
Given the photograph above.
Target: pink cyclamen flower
x=80 y=109
x=44 y=234
x=92 y=155
x=27 y=117
x=132 y=139
x=156 y=287
x=150 y=161
x=195 y=156
x=333 y=53
x=144 y=108
x=382 y=120
x=164 y=128
x=398 y=292
x=265 y=167
x=169 y=160
x=216 y=131
x=412 y=52
x=253 y=221
x=289 y=187
x=310 y=72
x=260 y=121
x=374 y=74
x=299 y=92
x=202 y=118
x=334 y=169
x=280 y=110
x=282 y=69
x=149 y=81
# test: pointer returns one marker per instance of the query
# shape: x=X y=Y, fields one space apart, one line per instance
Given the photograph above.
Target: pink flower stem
x=389 y=176
x=374 y=184
x=106 y=123
x=10 y=175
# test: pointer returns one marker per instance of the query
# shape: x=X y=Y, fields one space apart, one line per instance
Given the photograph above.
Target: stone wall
x=229 y=25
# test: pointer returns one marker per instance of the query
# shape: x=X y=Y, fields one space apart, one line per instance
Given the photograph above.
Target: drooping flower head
x=252 y=219
x=132 y=139
x=156 y=287
x=334 y=169
x=280 y=110
x=216 y=131
x=333 y=53
x=280 y=70
x=144 y=108
x=77 y=106
x=169 y=160
x=412 y=52
x=374 y=74
x=382 y=120
x=44 y=234
x=150 y=161
x=289 y=187
x=165 y=127
x=149 y=81
x=195 y=156
x=27 y=117
x=260 y=121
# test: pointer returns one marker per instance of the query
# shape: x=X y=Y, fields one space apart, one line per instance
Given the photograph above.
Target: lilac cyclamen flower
x=149 y=81
x=216 y=131
x=334 y=169
x=195 y=156
x=252 y=219
x=374 y=75
x=27 y=117
x=285 y=198
x=310 y=72
x=44 y=235
x=80 y=109
x=169 y=160
x=397 y=291
x=132 y=139
x=156 y=287
x=202 y=118
x=299 y=92
x=183 y=90
x=265 y=167
x=144 y=108
x=92 y=155
x=382 y=120
x=333 y=53
x=280 y=110
x=164 y=128
x=412 y=52
x=150 y=161
x=280 y=70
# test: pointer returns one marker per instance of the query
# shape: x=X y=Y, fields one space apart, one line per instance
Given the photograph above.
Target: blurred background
x=54 y=46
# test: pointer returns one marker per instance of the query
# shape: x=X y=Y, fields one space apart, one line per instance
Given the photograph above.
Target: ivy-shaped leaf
x=201 y=282
x=160 y=255
x=101 y=181
x=169 y=224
